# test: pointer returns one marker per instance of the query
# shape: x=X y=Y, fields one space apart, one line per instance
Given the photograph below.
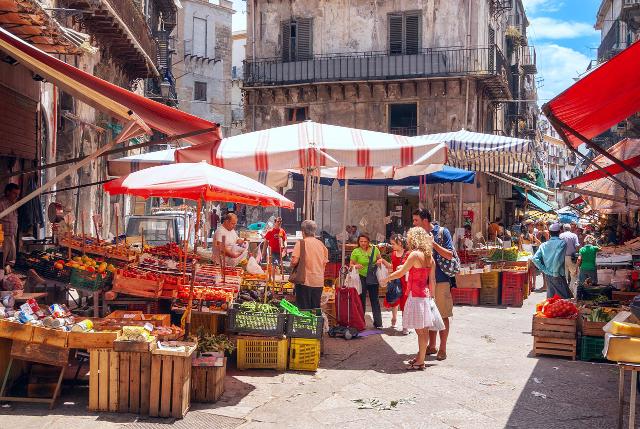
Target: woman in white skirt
x=420 y=311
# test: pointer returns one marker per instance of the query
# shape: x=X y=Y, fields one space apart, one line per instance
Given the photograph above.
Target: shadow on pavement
x=567 y=394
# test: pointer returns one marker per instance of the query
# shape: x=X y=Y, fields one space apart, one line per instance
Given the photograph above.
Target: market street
x=490 y=380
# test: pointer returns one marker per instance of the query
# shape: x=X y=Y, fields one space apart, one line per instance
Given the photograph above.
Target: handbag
x=450 y=267
x=372 y=278
x=298 y=273
x=394 y=291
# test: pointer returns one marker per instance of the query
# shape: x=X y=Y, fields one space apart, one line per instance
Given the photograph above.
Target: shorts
x=444 y=301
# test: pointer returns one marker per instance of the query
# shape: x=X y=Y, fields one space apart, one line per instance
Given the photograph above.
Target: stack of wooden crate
x=554 y=336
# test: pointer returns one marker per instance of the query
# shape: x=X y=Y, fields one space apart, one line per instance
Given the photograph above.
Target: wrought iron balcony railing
x=366 y=66
x=613 y=42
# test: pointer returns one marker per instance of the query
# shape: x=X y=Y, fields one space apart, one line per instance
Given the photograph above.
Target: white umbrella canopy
x=313 y=145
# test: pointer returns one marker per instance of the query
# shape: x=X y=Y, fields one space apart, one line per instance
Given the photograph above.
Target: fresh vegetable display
x=510 y=254
x=556 y=307
x=208 y=343
x=256 y=307
x=601 y=314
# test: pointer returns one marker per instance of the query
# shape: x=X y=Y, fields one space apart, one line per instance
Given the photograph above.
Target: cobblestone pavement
x=490 y=380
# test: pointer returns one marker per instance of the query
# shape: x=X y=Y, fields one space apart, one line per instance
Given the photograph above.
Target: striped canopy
x=485 y=152
x=310 y=144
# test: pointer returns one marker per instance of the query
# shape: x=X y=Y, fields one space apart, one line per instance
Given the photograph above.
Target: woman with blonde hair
x=420 y=311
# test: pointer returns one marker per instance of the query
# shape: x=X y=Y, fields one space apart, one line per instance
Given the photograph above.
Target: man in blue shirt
x=550 y=260
x=443 y=245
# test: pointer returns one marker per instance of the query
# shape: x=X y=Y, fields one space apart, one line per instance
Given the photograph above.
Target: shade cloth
x=599 y=100
x=485 y=152
x=195 y=181
x=592 y=180
x=106 y=96
x=446 y=175
x=537 y=202
x=310 y=144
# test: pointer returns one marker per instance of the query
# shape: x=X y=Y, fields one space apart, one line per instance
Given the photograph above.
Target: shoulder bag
x=450 y=267
x=298 y=273
x=372 y=278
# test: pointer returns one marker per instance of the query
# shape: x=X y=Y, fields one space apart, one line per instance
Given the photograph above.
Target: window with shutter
x=395 y=34
x=286 y=40
x=412 y=34
x=404 y=33
x=304 y=39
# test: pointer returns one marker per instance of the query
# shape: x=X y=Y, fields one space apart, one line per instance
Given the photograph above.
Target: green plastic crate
x=591 y=349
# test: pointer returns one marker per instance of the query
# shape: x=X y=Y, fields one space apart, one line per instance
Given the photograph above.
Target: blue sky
x=561 y=30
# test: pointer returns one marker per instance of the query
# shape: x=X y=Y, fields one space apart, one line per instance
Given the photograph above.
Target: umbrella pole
x=187 y=325
x=344 y=224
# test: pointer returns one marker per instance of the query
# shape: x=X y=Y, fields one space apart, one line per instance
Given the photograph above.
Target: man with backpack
x=447 y=264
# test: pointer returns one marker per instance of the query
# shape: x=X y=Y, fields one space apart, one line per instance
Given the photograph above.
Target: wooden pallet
x=207 y=383
x=555 y=346
x=554 y=327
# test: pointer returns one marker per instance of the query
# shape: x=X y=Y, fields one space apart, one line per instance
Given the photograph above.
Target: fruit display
x=169 y=250
x=556 y=307
x=94 y=246
x=509 y=254
x=86 y=263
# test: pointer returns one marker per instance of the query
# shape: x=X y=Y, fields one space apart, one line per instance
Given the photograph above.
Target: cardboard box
x=468 y=281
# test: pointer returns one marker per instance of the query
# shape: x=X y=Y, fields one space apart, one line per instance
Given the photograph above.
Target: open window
x=403 y=119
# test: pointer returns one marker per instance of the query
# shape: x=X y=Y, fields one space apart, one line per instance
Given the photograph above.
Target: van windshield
x=156 y=231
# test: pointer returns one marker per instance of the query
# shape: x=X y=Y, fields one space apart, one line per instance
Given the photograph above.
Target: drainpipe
x=466 y=105
x=254 y=6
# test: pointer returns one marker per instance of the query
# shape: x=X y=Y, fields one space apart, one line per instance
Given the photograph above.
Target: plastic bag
x=436 y=318
x=353 y=280
x=253 y=267
x=382 y=273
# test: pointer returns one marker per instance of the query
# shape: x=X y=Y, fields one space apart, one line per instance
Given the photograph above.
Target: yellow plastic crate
x=490 y=280
x=304 y=354
x=265 y=353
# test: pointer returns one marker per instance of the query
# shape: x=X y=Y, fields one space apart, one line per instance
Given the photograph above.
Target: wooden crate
x=212 y=323
x=134 y=382
x=137 y=287
x=15 y=331
x=104 y=380
x=469 y=281
x=330 y=310
x=624 y=297
x=133 y=346
x=555 y=346
x=91 y=340
x=553 y=327
x=51 y=337
x=170 y=384
x=591 y=329
x=207 y=382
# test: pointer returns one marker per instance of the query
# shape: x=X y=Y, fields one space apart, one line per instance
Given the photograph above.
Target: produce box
x=90 y=280
x=15 y=331
x=489 y=296
x=600 y=317
x=51 y=337
x=91 y=340
x=624 y=297
x=261 y=323
x=207 y=382
x=266 y=353
x=145 y=288
x=304 y=354
x=465 y=296
x=305 y=327
x=554 y=346
x=171 y=382
x=512 y=296
x=553 y=327
x=490 y=280
x=469 y=281
x=591 y=348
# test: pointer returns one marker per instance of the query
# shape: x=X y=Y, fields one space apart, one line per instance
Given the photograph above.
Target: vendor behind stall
x=226 y=240
x=276 y=239
x=9 y=223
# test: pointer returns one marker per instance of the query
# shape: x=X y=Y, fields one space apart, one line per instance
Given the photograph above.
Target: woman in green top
x=587 y=261
x=363 y=258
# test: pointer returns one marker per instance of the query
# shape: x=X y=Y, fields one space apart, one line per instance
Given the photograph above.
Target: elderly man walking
x=550 y=260
x=571 y=258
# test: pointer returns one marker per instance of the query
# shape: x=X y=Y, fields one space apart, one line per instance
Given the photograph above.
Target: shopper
x=587 y=261
x=314 y=256
x=570 y=258
x=399 y=255
x=365 y=258
x=276 y=239
x=493 y=229
x=528 y=240
x=550 y=260
x=543 y=232
x=9 y=224
x=443 y=245
x=421 y=312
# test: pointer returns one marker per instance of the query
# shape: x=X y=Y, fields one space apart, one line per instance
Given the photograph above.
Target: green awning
x=545 y=207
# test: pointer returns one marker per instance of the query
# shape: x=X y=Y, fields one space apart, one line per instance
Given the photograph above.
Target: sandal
x=412 y=361
x=432 y=351
x=393 y=323
x=442 y=356
x=414 y=367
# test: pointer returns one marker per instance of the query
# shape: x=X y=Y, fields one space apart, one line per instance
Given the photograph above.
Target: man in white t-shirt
x=226 y=240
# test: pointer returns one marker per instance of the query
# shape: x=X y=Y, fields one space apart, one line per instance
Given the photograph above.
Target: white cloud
x=534 y=6
x=552 y=29
x=557 y=66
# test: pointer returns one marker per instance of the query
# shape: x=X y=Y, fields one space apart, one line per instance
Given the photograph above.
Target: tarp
x=106 y=96
x=195 y=181
x=485 y=152
x=534 y=200
x=599 y=100
x=311 y=144
x=592 y=180
x=446 y=175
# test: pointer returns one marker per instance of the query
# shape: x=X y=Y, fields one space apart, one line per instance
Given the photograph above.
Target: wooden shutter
x=304 y=39
x=286 y=41
x=395 y=34
x=412 y=34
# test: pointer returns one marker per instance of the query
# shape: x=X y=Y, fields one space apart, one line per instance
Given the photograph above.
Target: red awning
x=601 y=99
x=106 y=96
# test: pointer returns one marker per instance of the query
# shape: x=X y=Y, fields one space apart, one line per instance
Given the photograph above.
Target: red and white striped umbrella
x=310 y=144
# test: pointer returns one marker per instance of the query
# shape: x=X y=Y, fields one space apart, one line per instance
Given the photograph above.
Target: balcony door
x=297 y=40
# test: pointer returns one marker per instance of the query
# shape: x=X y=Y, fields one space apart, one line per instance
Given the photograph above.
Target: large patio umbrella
x=200 y=182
